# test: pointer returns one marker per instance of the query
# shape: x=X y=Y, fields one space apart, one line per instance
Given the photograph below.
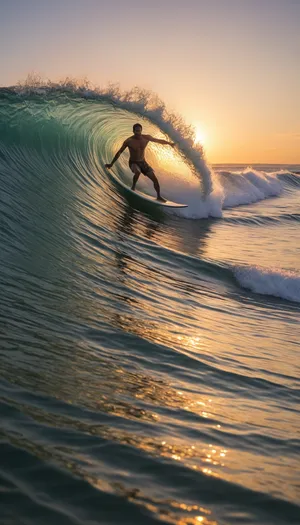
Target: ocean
x=149 y=358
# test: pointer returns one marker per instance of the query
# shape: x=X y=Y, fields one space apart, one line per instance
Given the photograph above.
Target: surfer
x=137 y=144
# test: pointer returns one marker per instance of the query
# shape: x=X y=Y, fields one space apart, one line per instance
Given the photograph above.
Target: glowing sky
x=230 y=67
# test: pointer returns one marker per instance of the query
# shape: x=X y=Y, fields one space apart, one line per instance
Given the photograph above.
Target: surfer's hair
x=137 y=125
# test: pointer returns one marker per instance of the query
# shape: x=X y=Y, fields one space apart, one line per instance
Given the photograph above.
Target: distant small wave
x=279 y=283
x=258 y=220
x=247 y=186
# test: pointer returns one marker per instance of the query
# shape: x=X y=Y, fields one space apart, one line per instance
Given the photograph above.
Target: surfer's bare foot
x=133 y=188
x=161 y=199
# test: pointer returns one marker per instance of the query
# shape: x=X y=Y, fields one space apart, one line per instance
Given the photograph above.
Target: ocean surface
x=149 y=360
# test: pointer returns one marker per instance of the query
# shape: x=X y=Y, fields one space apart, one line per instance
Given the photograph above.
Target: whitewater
x=149 y=357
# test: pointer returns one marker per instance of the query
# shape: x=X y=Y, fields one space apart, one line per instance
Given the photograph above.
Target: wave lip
x=269 y=281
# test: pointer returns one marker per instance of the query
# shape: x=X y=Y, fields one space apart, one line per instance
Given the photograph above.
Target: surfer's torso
x=137 y=147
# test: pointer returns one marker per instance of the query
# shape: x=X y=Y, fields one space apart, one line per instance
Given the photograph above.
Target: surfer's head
x=137 y=129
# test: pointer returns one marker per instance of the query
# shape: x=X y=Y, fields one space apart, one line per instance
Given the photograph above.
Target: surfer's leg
x=135 y=169
x=151 y=175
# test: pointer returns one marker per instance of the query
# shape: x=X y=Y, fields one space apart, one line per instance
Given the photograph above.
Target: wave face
x=148 y=358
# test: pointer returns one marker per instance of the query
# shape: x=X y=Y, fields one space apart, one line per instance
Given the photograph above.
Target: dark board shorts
x=143 y=166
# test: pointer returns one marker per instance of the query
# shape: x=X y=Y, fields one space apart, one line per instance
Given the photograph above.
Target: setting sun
x=200 y=136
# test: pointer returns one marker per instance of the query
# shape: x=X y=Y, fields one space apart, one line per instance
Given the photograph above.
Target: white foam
x=200 y=208
x=269 y=281
x=247 y=186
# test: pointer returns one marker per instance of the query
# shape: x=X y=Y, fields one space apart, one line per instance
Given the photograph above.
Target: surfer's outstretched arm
x=160 y=141
x=117 y=155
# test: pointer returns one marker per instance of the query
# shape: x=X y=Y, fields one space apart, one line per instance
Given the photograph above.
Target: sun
x=200 y=136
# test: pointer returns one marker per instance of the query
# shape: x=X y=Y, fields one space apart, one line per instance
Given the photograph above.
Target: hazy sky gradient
x=230 y=67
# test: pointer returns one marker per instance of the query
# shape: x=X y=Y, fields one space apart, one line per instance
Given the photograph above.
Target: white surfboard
x=148 y=198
